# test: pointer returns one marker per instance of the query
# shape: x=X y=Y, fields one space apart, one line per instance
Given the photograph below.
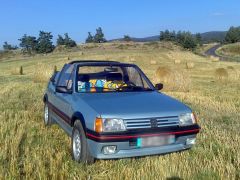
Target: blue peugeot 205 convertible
x=112 y=110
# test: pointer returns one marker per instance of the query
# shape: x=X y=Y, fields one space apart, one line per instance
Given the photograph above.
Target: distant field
x=29 y=150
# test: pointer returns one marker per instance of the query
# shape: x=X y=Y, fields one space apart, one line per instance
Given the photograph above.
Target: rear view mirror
x=63 y=89
x=111 y=69
x=159 y=86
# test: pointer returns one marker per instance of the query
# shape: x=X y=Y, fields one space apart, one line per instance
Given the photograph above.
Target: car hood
x=134 y=104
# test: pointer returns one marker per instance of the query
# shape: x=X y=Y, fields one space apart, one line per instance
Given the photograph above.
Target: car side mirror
x=159 y=86
x=63 y=89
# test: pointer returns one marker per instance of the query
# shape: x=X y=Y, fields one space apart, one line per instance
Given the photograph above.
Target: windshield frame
x=143 y=76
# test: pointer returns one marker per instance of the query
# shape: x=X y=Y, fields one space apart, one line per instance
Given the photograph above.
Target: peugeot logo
x=154 y=123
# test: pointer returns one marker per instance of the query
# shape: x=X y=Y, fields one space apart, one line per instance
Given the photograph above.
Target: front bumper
x=124 y=149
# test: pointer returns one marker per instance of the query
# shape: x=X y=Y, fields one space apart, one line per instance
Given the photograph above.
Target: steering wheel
x=129 y=84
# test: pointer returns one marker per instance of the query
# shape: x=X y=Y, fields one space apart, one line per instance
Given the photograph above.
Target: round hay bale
x=221 y=74
x=153 y=62
x=214 y=58
x=189 y=65
x=132 y=59
x=177 y=61
x=173 y=79
x=67 y=58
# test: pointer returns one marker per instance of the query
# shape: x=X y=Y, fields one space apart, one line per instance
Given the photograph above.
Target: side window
x=66 y=76
x=134 y=76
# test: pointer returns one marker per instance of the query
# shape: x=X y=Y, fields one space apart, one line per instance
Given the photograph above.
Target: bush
x=172 y=79
x=221 y=74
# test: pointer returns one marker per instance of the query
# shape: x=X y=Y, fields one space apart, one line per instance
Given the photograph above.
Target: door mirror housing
x=159 y=86
x=63 y=89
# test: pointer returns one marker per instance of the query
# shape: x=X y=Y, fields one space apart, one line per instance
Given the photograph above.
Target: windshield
x=107 y=78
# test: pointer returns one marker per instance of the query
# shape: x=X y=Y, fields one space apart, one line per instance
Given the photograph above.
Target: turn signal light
x=98 y=125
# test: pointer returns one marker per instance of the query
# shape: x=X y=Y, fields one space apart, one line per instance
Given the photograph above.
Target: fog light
x=190 y=141
x=109 y=149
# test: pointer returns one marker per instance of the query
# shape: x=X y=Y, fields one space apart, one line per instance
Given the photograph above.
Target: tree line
x=185 y=39
x=233 y=35
x=44 y=44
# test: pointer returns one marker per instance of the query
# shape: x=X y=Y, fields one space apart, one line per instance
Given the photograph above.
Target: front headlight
x=187 y=119
x=109 y=125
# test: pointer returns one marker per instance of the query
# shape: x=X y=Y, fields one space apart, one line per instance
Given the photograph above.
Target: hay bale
x=17 y=71
x=221 y=74
x=214 y=58
x=173 y=79
x=67 y=58
x=153 y=62
x=230 y=67
x=177 y=61
x=132 y=59
x=189 y=65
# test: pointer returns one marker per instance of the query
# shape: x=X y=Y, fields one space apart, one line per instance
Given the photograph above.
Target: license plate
x=155 y=141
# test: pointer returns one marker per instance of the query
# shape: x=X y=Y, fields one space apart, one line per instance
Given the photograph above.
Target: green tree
x=68 y=42
x=8 y=47
x=90 y=38
x=99 y=36
x=45 y=44
x=233 y=35
x=127 y=38
x=180 y=37
x=167 y=35
x=60 y=40
x=189 y=41
x=28 y=44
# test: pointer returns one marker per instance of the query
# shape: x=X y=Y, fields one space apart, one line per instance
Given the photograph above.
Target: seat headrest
x=84 y=78
x=114 y=77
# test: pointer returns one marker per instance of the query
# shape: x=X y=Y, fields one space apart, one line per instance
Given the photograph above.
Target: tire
x=47 y=119
x=80 y=150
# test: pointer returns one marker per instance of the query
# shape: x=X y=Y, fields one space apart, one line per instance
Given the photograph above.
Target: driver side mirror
x=159 y=86
x=63 y=89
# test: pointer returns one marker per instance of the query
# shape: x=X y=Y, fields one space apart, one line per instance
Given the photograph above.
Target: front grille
x=146 y=122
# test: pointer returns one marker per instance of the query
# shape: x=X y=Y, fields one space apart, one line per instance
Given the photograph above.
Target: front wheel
x=80 y=150
x=47 y=120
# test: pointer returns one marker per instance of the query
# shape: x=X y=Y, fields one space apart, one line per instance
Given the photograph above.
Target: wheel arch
x=78 y=116
x=45 y=98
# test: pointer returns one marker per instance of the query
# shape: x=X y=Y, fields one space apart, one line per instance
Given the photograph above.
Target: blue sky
x=137 y=18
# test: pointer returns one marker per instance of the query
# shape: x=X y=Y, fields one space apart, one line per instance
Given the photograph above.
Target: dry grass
x=173 y=79
x=42 y=73
x=28 y=150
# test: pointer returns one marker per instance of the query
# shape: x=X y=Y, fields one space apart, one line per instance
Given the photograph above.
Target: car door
x=62 y=101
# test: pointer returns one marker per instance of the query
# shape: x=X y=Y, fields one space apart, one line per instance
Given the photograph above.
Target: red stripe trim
x=142 y=135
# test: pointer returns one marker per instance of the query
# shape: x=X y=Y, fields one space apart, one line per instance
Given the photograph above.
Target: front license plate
x=155 y=141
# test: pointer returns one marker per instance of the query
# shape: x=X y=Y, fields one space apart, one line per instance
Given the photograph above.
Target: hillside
x=211 y=36
x=230 y=50
x=29 y=150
